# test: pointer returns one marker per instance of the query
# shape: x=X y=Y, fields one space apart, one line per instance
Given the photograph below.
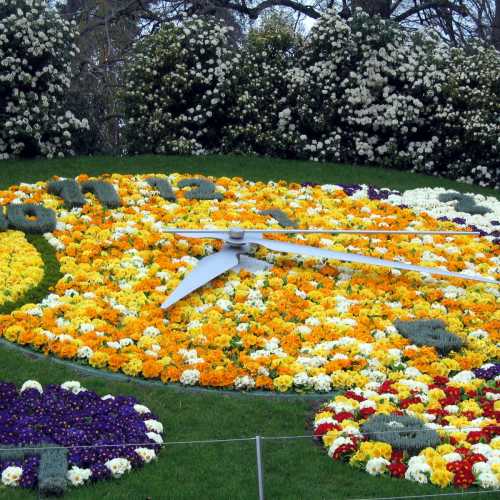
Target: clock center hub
x=236 y=237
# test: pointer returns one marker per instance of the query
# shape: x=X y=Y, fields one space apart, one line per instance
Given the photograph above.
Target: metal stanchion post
x=260 y=470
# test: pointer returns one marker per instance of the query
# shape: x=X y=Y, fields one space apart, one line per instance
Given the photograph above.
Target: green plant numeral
x=44 y=222
x=103 y=191
x=280 y=216
x=431 y=332
x=402 y=432
x=163 y=186
x=52 y=469
x=205 y=190
x=465 y=203
x=69 y=191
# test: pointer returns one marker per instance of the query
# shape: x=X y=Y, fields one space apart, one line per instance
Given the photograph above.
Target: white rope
x=226 y=440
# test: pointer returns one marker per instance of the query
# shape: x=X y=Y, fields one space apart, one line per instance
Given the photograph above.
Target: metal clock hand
x=206 y=270
x=281 y=246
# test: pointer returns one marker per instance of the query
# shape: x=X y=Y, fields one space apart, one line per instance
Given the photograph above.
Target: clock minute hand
x=206 y=270
x=281 y=246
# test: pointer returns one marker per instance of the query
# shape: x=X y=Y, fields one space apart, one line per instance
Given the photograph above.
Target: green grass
x=252 y=168
x=294 y=469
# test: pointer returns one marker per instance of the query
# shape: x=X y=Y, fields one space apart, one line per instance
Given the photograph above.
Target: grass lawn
x=294 y=469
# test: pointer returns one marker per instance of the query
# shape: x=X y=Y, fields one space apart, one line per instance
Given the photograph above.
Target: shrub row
x=360 y=90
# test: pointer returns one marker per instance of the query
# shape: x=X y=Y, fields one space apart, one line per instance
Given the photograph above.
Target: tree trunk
x=380 y=8
x=495 y=28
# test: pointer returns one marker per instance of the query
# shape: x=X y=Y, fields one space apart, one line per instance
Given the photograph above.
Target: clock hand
x=206 y=270
x=281 y=246
x=219 y=235
x=223 y=234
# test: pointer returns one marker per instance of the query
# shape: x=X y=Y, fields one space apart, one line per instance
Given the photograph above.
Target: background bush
x=178 y=88
x=36 y=47
x=257 y=111
x=360 y=90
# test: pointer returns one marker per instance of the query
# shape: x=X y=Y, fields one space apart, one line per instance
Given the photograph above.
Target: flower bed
x=463 y=410
x=304 y=325
x=21 y=266
x=104 y=436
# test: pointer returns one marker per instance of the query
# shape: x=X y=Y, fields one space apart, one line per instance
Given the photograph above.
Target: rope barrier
x=229 y=440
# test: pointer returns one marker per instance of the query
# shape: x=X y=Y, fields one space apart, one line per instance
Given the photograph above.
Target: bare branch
x=460 y=9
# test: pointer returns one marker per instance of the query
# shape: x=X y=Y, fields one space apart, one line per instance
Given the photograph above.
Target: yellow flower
x=283 y=383
x=99 y=359
x=133 y=367
x=441 y=477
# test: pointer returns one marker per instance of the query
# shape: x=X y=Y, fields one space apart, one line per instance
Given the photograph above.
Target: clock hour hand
x=206 y=270
x=281 y=246
x=222 y=235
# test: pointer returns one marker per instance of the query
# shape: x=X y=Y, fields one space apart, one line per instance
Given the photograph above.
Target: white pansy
x=31 y=384
x=146 y=454
x=118 y=466
x=77 y=476
x=153 y=425
x=11 y=475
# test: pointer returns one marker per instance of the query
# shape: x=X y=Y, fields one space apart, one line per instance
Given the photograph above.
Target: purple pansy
x=94 y=429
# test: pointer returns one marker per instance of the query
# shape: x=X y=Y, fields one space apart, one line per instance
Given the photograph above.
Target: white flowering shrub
x=365 y=91
x=177 y=88
x=256 y=114
x=359 y=90
x=36 y=47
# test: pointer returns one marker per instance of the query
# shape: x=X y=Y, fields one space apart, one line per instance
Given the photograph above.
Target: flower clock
x=61 y=435
x=277 y=319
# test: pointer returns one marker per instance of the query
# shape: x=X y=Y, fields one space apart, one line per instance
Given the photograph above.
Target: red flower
x=397 y=455
x=404 y=403
x=322 y=429
x=459 y=466
x=386 y=387
x=366 y=412
x=464 y=479
x=474 y=458
x=344 y=415
x=353 y=395
x=440 y=380
x=344 y=449
x=474 y=437
x=397 y=469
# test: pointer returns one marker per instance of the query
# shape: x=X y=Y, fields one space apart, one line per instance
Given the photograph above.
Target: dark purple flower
x=93 y=430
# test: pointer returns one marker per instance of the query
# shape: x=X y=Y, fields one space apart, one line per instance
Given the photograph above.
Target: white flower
x=301 y=379
x=452 y=457
x=480 y=468
x=84 y=352
x=151 y=331
x=141 y=409
x=154 y=425
x=146 y=454
x=244 y=382
x=77 y=476
x=321 y=383
x=118 y=466
x=488 y=480
x=376 y=466
x=190 y=377
x=74 y=386
x=12 y=475
x=31 y=384
x=154 y=436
